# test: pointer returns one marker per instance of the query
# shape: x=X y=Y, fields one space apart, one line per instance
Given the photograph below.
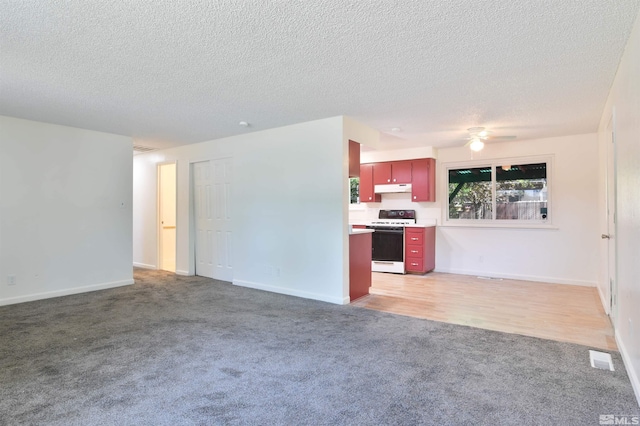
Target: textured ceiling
x=176 y=72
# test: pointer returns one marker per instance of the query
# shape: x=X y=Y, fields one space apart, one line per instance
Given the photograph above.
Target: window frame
x=494 y=222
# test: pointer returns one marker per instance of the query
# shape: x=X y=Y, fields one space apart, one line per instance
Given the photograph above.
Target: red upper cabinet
x=401 y=172
x=423 y=185
x=366 y=185
x=381 y=173
x=392 y=172
x=354 y=159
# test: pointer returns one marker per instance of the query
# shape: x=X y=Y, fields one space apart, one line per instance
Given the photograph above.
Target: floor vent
x=601 y=360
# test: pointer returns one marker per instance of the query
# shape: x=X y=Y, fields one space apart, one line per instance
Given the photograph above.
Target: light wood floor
x=559 y=312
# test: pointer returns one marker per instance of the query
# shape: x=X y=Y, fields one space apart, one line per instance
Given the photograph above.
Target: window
x=504 y=192
x=354 y=187
x=470 y=193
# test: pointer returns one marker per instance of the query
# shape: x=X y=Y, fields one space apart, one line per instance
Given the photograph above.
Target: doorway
x=212 y=184
x=167 y=216
x=610 y=236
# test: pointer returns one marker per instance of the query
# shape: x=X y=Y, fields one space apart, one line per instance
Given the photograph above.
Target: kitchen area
x=394 y=202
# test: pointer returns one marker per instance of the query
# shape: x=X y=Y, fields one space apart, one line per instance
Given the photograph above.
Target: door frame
x=159 y=246
x=611 y=201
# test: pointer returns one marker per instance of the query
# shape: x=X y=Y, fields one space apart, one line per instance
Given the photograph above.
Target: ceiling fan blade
x=502 y=137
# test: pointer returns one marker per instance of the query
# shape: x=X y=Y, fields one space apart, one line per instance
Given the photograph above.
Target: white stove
x=393 y=222
x=387 y=254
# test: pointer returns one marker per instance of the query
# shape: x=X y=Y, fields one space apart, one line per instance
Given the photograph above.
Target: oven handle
x=388 y=231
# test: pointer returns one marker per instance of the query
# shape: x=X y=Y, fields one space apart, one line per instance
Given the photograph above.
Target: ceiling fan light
x=476 y=145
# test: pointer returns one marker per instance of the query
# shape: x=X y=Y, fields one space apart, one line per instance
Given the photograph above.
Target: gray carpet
x=175 y=350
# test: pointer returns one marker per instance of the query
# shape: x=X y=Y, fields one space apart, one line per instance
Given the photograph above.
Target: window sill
x=545 y=226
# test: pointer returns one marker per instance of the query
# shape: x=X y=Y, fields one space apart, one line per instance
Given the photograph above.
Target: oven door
x=387 y=243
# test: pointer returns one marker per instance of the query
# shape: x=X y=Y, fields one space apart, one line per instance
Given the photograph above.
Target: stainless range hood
x=391 y=188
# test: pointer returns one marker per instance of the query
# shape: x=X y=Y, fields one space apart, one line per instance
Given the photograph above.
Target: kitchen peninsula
x=359 y=262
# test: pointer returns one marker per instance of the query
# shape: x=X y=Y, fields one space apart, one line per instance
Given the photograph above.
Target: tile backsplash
x=425 y=212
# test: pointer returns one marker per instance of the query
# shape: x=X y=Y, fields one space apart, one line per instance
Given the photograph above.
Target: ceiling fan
x=478 y=135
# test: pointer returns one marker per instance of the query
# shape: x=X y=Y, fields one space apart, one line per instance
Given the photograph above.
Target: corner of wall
x=631 y=372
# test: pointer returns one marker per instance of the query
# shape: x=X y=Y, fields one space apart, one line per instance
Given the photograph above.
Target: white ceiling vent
x=601 y=360
x=139 y=149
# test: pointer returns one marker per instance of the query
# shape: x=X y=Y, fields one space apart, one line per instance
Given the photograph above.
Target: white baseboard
x=144 y=265
x=537 y=278
x=185 y=273
x=631 y=372
x=65 y=292
x=292 y=292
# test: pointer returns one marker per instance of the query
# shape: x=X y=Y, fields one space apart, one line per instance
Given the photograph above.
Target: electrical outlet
x=11 y=280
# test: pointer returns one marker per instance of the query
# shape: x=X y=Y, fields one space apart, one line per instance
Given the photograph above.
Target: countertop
x=414 y=225
x=356 y=231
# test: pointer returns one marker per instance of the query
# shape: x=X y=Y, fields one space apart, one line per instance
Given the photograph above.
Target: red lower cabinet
x=359 y=265
x=419 y=249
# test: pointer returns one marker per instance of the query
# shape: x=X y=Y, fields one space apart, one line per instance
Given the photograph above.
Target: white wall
x=398 y=154
x=566 y=253
x=288 y=208
x=624 y=103
x=63 y=227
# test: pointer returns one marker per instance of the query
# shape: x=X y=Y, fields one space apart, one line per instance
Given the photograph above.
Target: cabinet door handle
x=414 y=264
x=414 y=197
x=394 y=180
x=388 y=180
x=414 y=239
x=414 y=251
x=369 y=197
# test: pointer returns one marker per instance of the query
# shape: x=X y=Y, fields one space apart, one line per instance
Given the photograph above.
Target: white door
x=611 y=222
x=212 y=183
x=167 y=204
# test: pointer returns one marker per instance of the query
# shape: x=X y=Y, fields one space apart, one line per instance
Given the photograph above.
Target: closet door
x=212 y=183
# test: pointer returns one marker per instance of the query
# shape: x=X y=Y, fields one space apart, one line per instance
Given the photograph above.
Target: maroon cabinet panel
x=354 y=159
x=415 y=251
x=420 y=173
x=381 y=173
x=415 y=264
x=420 y=249
x=423 y=185
x=359 y=265
x=392 y=172
x=401 y=172
x=366 y=185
